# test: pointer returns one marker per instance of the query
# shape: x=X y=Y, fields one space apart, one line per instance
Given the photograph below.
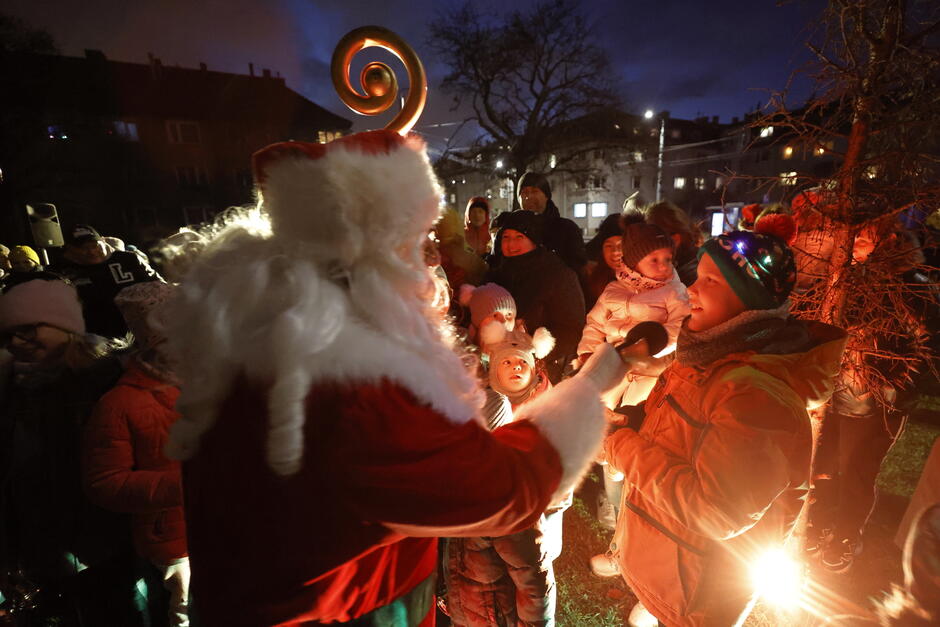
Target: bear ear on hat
x=542 y=342
x=493 y=332
x=466 y=293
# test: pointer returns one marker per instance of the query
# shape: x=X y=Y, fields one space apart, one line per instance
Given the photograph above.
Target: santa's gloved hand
x=604 y=368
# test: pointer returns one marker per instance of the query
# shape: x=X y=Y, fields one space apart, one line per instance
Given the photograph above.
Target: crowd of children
x=333 y=421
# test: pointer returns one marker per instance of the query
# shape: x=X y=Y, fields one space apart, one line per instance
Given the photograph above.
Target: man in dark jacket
x=562 y=236
x=99 y=272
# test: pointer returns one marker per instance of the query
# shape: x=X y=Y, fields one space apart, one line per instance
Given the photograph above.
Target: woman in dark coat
x=51 y=536
x=546 y=291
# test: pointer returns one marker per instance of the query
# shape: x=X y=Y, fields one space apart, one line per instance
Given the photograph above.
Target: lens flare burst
x=778 y=578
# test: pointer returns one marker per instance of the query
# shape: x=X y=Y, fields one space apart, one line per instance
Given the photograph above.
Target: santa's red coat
x=329 y=543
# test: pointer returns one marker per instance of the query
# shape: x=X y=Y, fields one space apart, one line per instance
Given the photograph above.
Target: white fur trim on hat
x=39 y=301
x=364 y=195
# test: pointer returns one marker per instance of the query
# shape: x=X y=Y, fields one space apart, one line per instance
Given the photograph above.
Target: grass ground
x=587 y=601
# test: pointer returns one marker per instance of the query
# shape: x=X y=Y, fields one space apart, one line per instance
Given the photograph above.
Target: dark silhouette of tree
x=524 y=75
x=18 y=36
x=877 y=74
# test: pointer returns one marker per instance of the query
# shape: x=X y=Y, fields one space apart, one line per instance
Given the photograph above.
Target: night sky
x=691 y=58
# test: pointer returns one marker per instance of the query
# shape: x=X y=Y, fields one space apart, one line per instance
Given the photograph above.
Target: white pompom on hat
x=41 y=301
x=363 y=195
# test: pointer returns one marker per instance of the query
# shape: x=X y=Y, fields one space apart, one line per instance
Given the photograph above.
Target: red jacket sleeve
x=108 y=466
x=410 y=469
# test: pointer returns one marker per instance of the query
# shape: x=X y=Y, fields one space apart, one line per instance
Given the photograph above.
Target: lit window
x=191 y=177
x=699 y=182
x=820 y=151
x=767 y=131
x=678 y=182
x=788 y=152
x=182 y=132
x=552 y=161
x=126 y=130
x=719 y=182
x=598 y=209
x=718 y=223
x=788 y=178
x=638 y=156
x=872 y=171
x=580 y=210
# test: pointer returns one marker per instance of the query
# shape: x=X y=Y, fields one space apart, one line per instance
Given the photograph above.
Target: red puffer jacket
x=124 y=468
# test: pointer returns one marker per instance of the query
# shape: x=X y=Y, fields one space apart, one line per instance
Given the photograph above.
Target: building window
x=552 y=161
x=596 y=182
x=580 y=210
x=324 y=137
x=126 y=130
x=636 y=182
x=638 y=156
x=699 y=182
x=821 y=148
x=192 y=176
x=788 y=178
x=598 y=209
x=719 y=182
x=182 y=132
x=678 y=182
x=788 y=152
x=675 y=133
x=767 y=131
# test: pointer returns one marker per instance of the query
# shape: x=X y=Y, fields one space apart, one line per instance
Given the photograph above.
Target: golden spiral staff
x=377 y=79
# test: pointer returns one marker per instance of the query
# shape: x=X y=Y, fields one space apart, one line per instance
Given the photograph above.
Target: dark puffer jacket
x=547 y=294
x=563 y=237
x=125 y=469
x=507 y=580
x=49 y=528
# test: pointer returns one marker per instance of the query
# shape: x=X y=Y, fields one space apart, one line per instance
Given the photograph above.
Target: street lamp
x=659 y=161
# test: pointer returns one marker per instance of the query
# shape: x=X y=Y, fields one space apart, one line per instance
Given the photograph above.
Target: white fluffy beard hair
x=263 y=307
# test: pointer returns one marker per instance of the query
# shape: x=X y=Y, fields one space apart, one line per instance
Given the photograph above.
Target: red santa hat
x=358 y=196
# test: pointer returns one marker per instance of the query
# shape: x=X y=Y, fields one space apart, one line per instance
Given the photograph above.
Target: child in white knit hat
x=511 y=358
x=513 y=572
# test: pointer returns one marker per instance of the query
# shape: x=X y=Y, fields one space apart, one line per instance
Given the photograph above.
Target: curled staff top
x=377 y=79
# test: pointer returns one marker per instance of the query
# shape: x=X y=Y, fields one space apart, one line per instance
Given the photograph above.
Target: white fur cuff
x=571 y=416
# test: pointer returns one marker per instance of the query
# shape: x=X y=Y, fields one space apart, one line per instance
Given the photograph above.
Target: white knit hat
x=142 y=305
x=51 y=302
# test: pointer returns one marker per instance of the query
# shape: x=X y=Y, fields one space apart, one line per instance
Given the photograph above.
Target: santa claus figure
x=330 y=431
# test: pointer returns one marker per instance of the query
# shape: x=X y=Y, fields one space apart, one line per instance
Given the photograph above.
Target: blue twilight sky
x=691 y=58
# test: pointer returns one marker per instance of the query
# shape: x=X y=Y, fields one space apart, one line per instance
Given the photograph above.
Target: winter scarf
x=762 y=330
x=637 y=281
